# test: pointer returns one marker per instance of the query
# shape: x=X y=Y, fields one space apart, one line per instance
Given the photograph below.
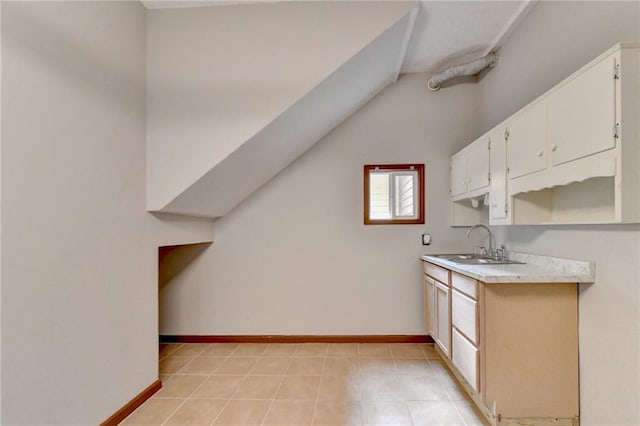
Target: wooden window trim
x=421 y=194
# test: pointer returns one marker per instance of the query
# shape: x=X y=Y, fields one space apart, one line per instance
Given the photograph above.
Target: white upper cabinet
x=499 y=205
x=571 y=155
x=478 y=164
x=470 y=170
x=582 y=113
x=527 y=141
x=459 y=174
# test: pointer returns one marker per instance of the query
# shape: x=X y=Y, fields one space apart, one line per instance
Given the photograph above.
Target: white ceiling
x=445 y=32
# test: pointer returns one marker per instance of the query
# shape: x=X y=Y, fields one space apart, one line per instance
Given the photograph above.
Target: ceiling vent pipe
x=470 y=68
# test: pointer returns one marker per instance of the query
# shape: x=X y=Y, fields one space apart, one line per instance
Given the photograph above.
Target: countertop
x=536 y=269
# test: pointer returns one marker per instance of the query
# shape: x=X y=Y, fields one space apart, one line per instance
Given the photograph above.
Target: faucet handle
x=501 y=252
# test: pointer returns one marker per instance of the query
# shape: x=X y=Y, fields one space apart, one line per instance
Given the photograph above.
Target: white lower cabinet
x=443 y=332
x=465 y=358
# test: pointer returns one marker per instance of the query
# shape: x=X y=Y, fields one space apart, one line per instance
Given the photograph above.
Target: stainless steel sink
x=475 y=259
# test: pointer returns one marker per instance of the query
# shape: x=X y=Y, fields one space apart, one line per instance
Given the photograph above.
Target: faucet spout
x=488 y=231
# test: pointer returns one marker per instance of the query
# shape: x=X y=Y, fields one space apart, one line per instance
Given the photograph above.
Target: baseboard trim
x=365 y=338
x=131 y=406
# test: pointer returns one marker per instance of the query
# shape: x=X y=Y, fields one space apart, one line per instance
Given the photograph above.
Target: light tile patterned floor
x=304 y=384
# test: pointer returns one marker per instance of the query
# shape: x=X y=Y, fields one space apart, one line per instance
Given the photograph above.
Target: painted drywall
x=294 y=131
x=79 y=258
x=553 y=41
x=295 y=258
x=217 y=76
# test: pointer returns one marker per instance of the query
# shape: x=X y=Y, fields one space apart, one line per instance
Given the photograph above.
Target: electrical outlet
x=426 y=239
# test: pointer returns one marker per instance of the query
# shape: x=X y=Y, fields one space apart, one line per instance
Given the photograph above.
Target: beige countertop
x=536 y=269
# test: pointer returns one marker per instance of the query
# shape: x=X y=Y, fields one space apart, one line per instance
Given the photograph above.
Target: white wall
x=295 y=257
x=79 y=258
x=553 y=41
x=219 y=75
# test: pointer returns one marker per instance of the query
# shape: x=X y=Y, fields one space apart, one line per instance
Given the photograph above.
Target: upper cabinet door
x=459 y=173
x=498 y=207
x=527 y=141
x=478 y=164
x=582 y=113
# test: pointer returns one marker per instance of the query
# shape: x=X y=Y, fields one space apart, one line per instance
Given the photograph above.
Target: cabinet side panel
x=531 y=349
x=630 y=135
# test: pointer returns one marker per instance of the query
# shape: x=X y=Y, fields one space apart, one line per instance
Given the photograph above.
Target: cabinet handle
x=540 y=153
x=554 y=148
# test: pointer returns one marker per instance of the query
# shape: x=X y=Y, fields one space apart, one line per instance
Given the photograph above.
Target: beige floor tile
x=165 y=378
x=343 y=349
x=377 y=366
x=340 y=388
x=180 y=387
x=190 y=349
x=202 y=365
x=414 y=367
x=299 y=387
x=173 y=364
x=243 y=413
x=266 y=365
x=337 y=413
x=218 y=387
x=153 y=412
x=374 y=350
x=236 y=366
x=281 y=349
x=196 y=412
x=453 y=388
x=407 y=350
x=290 y=413
x=306 y=367
x=434 y=413
x=168 y=348
x=220 y=349
x=439 y=368
x=380 y=388
x=469 y=414
x=312 y=350
x=430 y=351
x=418 y=388
x=257 y=387
x=341 y=366
x=250 y=349
x=386 y=413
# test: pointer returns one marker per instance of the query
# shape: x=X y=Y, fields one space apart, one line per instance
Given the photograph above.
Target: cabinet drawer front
x=465 y=358
x=466 y=285
x=464 y=315
x=437 y=272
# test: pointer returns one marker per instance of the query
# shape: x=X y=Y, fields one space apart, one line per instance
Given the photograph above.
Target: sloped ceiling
x=236 y=93
x=445 y=32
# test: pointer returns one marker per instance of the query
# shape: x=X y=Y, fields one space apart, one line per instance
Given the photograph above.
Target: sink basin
x=475 y=259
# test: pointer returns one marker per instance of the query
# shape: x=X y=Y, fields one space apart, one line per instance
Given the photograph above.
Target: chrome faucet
x=490 y=254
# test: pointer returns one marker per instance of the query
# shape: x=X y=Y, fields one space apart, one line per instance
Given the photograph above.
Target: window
x=393 y=194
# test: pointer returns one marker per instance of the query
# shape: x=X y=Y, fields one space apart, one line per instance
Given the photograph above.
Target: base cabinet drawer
x=464 y=315
x=465 y=358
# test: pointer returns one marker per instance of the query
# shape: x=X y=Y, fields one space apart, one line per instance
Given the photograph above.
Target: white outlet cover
x=426 y=239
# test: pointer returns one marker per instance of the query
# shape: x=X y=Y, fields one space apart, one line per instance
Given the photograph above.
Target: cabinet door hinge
x=506 y=208
x=616 y=72
x=489 y=176
x=616 y=131
x=489 y=145
x=506 y=134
